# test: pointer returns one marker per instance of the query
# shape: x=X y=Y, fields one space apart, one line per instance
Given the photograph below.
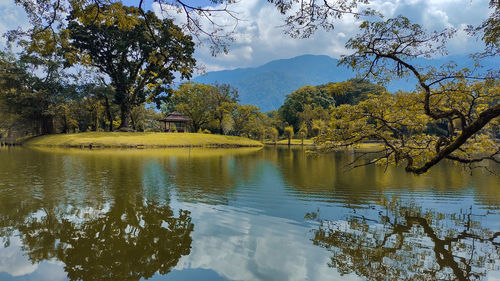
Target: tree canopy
x=296 y=102
x=140 y=66
x=302 y=18
x=36 y=99
x=465 y=99
x=215 y=108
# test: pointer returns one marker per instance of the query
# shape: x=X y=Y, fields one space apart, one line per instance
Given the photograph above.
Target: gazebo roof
x=176 y=117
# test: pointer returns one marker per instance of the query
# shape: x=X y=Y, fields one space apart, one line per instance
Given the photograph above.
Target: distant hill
x=267 y=85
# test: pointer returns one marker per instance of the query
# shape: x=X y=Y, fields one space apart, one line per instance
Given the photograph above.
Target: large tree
x=467 y=100
x=224 y=102
x=191 y=99
x=201 y=18
x=34 y=87
x=296 y=102
x=352 y=91
x=118 y=41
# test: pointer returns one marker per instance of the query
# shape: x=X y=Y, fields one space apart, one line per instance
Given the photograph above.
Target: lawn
x=310 y=142
x=146 y=140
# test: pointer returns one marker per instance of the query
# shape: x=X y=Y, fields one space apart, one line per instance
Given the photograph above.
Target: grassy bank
x=307 y=142
x=310 y=142
x=140 y=140
x=177 y=152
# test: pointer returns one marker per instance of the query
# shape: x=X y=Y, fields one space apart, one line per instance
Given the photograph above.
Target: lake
x=241 y=214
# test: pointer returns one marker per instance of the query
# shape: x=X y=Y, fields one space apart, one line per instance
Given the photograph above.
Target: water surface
x=241 y=214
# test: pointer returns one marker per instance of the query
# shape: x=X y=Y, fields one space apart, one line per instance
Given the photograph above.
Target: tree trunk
x=108 y=113
x=133 y=121
x=221 y=130
x=96 y=124
x=47 y=125
x=125 y=116
x=96 y=120
x=65 y=124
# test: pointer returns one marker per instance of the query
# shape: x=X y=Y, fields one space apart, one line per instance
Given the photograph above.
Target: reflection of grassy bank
x=121 y=139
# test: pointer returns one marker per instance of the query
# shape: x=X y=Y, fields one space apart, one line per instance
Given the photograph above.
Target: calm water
x=246 y=214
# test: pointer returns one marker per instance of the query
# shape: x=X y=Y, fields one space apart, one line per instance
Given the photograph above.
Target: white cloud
x=12 y=260
x=12 y=17
x=244 y=247
x=259 y=37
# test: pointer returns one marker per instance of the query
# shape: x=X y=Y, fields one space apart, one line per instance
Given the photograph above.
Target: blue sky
x=259 y=37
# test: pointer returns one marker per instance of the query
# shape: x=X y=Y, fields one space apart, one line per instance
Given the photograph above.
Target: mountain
x=267 y=85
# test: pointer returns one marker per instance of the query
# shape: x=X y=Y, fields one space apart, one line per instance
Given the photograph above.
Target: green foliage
x=223 y=102
x=313 y=102
x=297 y=101
x=273 y=134
x=215 y=108
x=139 y=52
x=302 y=132
x=449 y=95
x=192 y=100
x=35 y=99
x=289 y=133
x=352 y=91
x=401 y=123
x=318 y=126
x=146 y=119
x=244 y=117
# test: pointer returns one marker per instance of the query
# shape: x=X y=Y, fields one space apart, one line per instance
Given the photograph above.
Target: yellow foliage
x=400 y=122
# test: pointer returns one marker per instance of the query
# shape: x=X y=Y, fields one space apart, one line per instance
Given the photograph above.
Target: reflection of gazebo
x=176 y=121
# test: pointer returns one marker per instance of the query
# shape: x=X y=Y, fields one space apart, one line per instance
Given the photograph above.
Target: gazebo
x=176 y=121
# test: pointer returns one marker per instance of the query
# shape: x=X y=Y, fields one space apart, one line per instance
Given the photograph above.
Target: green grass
x=368 y=146
x=310 y=142
x=146 y=140
x=178 y=152
x=307 y=142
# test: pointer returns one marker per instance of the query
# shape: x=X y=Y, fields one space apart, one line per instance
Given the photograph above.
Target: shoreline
x=140 y=140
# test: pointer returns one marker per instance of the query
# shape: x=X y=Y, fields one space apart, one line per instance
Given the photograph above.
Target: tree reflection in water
x=404 y=242
x=126 y=243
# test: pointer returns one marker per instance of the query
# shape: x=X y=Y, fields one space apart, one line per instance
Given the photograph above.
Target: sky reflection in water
x=185 y=214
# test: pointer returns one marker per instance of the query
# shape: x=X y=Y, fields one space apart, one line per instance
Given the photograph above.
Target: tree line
x=135 y=57
x=105 y=72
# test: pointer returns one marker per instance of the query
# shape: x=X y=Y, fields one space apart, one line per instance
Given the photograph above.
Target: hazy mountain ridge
x=267 y=85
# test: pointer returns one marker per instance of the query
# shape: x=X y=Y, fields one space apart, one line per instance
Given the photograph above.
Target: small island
x=140 y=140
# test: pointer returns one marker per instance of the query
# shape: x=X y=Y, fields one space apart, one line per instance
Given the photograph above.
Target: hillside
x=267 y=85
